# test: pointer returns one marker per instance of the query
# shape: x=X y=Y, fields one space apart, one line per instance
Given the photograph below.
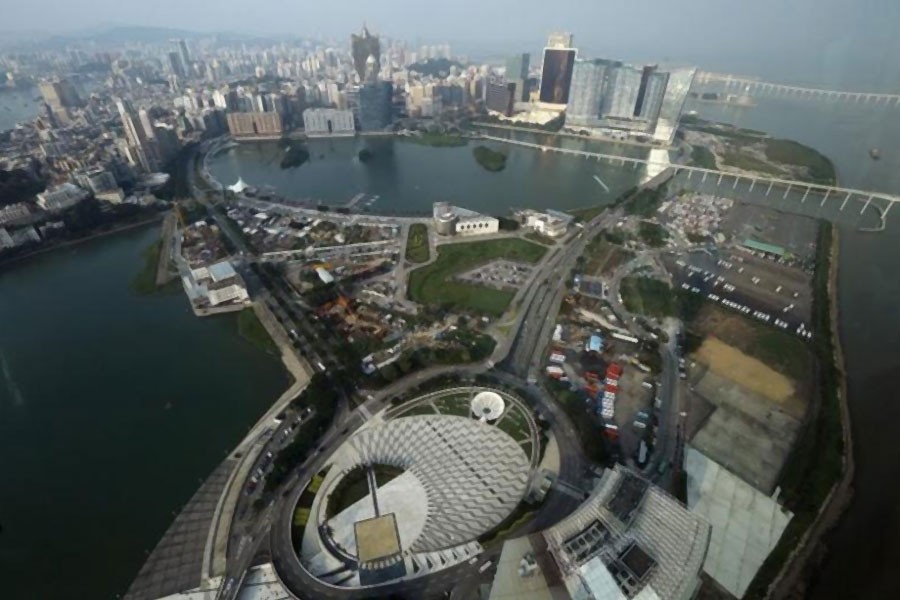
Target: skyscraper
x=586 y=92
x=375 y=99
x=677 y=88
x=624 y=86
x=500 y=97
x=142 y=152
x=60 y=96
x=650 y=95
x=556 y=72
x=363 y=46
x=517 y=73
x=183 y=57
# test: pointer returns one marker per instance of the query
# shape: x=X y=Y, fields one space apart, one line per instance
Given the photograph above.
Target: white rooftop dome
x=487 y=406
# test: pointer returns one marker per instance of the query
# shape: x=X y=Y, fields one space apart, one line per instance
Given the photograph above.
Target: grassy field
x=645 y=296
x=434 y=283
x=652 y=234
x=748 y=162
x=515 y=424
x=701 y=156
x=782 y=351
x=145 y=281
x=417 y=250
x=251 y=329
x=540 y=238
x=820 y=168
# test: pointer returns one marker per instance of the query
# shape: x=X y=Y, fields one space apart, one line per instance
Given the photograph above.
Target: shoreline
x=807 y=556
x=99 y=234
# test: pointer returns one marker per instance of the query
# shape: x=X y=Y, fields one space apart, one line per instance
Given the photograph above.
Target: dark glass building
x=556 y=75
x=500 y=97
x=375 y=103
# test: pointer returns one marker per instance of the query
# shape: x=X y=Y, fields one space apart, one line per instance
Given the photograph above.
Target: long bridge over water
x=879 y=201
x=753 y=86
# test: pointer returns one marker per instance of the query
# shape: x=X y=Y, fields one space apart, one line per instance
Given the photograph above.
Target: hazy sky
x=846 y=36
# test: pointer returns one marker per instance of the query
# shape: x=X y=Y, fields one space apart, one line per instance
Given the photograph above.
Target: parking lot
x=499 y=274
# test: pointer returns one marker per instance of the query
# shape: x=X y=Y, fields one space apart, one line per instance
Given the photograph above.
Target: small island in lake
x=294 y=156
x=490 y=159
x=365 y=155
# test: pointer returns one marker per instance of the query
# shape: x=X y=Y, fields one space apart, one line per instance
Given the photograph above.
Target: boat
x=875 y=153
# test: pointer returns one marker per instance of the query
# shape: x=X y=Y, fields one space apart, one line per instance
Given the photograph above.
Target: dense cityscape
x=552 y=325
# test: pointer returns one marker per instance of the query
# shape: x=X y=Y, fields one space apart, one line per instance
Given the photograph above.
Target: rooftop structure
x=487 y=406
x=454 y=220
x=629 y=539
x=65 y=196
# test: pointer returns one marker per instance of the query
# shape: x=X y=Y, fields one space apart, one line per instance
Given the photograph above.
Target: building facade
x=362 y=46
x=375 y=105
x=500 y=98
x=255 y=124
x=517 y=74
x=328 y=121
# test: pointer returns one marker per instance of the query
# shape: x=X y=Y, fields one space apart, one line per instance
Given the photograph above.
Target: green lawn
x=645 y=296
x=748 y=162
x=251 y=329
x=417 y=250
x=645 y=203
x=455 y=404
x=515 y=424
x=434 y=283
x=588 y=212
x=819 y=167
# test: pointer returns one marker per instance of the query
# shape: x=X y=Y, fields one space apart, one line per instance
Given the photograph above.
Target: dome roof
x=488 y=406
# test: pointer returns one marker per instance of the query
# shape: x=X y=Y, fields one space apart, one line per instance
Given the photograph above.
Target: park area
x=436 y=283
x=645 y=296
x=417 y=243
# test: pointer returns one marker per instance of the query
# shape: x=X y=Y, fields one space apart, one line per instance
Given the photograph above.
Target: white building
x=328 y=121
x=550 y=223
x=65 y=196
x=453 y=220
x=477 y=225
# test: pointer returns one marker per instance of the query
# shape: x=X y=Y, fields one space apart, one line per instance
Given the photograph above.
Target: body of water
x=409 y=177
x=113 y=407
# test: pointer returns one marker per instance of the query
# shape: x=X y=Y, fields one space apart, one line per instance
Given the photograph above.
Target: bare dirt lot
x=746 y=371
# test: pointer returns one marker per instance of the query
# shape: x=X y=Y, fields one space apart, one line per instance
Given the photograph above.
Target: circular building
x=487 y=406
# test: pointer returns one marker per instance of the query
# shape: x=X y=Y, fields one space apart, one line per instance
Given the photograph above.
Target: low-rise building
x=550 y=223
x=65 y=196
x=14 y=212
x=454 y=220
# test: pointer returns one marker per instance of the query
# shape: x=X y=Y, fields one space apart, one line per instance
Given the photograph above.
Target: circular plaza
x=416 y=489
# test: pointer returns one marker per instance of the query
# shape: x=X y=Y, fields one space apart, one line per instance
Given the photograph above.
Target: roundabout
x=410 y=494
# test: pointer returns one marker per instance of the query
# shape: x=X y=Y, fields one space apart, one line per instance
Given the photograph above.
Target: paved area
x=177 y=561
x=746 y=433
x=746 y=524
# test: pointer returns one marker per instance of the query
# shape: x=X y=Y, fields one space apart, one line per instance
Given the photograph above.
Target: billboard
x=556 y=75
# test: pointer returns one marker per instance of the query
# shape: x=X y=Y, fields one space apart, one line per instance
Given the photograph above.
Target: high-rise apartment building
x=362 y=46
x=141 y=150
x=255 y=124
x=586 y=92
x=517 y=73
x=60 y=96
x=650 y=95
x=623 y=87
